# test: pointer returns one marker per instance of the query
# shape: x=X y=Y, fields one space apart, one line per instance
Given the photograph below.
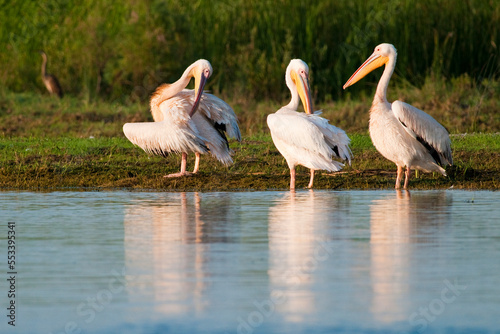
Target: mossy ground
x=110 y=163
x=51 y=144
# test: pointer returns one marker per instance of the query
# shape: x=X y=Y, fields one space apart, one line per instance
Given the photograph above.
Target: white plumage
x=187 y=121
x=164 y=137
x=402 y=133
x=425 y=129
x=305 y=138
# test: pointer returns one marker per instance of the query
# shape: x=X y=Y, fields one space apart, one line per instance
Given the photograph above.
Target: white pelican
x=402 y=133
x=187 y=121
x=306 y=138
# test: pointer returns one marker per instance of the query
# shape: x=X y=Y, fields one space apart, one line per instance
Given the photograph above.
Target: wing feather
x=215 y=138
x=303 y=138
x=219 y=112
x=164 y=137
x=213 y=108
x=426 y=130
x=335 y=137
x=213 y=119
x=297 y=131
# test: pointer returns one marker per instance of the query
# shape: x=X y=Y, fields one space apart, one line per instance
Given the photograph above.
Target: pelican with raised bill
x=187 y=121
x=402 y=133
x=306 y=138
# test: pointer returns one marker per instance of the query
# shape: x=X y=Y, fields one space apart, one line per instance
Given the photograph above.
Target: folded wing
x=421 y=126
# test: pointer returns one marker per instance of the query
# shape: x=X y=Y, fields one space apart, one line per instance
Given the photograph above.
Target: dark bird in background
x=50 y=80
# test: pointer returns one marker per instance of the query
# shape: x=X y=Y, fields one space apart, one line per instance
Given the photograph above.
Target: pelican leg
x=407 y=177
x=311 y=180
x=398 y=178
x=292 y=178
x=196 y=163
x=183 y=168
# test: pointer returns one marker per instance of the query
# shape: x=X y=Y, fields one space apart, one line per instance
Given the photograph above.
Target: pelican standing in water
x=402 y=133
x=187 y=121
x=306 y=138
x=49 y=80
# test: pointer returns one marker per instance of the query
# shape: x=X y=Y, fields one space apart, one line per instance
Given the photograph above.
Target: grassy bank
x=47 y=144
x=69 y=163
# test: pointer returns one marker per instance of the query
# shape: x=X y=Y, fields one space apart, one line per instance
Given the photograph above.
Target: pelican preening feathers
x=402 y=133
x=187 y=121
x=194 y=121
x=306 y=138
x=49 y=80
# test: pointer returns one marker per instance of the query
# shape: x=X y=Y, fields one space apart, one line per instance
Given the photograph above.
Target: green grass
x=110 y=56
x=47 y=143
x=109 y=163
x=122 y=50
x=461 y=105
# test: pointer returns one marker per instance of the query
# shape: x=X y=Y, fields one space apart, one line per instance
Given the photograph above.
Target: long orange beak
x=304 y=90
x=200 y=79
x=373 y=62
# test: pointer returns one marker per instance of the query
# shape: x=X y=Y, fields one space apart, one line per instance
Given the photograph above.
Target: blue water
x=253 y=262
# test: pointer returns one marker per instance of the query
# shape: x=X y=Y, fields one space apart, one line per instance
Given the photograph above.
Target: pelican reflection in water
x=170 y=242
x=398 y=223
x=297 y=224
x=156 y=253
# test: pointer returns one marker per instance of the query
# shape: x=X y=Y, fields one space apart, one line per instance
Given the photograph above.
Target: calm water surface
x=253 y=262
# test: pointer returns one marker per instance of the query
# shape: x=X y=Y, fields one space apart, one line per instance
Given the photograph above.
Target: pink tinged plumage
x=402 y=133
x=187 y=121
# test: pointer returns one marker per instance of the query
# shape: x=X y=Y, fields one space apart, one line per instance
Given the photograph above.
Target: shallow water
x=253 y=262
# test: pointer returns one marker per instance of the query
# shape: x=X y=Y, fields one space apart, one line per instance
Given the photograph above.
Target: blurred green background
x=122 y=50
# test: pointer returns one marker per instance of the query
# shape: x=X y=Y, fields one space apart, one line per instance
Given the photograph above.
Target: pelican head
x=379 y=57
x=297 y=75
x=200 y=70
